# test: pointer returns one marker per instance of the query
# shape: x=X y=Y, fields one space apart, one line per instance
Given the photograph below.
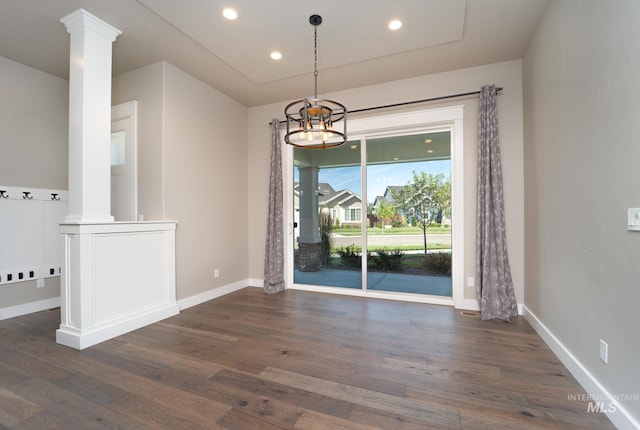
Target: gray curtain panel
x=274 y=249
x=493 y=283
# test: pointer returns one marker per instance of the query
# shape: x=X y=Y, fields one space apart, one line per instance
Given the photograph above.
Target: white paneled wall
x=31 y=245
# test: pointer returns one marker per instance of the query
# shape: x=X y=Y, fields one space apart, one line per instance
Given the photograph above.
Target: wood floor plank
x=287 y=361
x=67 y=407
x=286 y=393
x=14 y=408
x=240 y=420
x=312 y=420
x=155 y=415
x=420 y=410
x=386 y=420
x=95 y=390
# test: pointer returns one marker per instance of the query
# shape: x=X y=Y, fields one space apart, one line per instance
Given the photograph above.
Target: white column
x=89 y=117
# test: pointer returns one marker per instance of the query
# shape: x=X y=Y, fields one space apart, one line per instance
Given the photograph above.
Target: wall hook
x=27 y=195
x=3 y=194
x=54 y=196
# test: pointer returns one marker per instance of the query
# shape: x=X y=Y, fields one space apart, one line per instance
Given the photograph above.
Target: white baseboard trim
x=214 y=293
x=253 y=282
x=27 y=308
x=473 y=305
x=81 y=339
x=469 y=305
x=618 y=415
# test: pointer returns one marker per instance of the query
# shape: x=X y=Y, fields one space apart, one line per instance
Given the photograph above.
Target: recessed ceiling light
x=428 y=141
x=354 y=146
x=395 y=158
x=395 y=24
x=230 y=13
x=276 y=55
x=430 y=151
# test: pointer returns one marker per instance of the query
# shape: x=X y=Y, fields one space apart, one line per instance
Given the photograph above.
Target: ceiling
x=355 y=47
x=380 y=150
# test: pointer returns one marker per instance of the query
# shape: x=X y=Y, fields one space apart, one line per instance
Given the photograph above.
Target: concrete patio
x=379 y=281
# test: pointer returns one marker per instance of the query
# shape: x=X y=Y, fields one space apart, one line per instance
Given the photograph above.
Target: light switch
x=633 y=219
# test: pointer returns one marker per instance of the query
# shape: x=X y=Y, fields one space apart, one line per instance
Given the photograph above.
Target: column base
x=309 y=257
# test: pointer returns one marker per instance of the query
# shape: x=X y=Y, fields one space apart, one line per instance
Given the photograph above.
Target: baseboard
x=469 y=305
x=27 y=308
x=618 y=415
x=473 y=305
x=214 y=293
x=253 y=282
x=81 y=339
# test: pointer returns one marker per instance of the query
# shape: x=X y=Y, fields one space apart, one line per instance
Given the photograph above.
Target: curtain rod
x=433 y=99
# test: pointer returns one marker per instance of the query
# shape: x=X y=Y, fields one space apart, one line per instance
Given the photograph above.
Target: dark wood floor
x=293 y=360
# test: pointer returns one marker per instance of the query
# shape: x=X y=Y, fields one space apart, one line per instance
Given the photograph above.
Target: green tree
x=385 y=212
x=424 y=199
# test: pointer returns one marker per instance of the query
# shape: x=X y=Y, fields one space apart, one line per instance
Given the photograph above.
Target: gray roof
x=327 y=193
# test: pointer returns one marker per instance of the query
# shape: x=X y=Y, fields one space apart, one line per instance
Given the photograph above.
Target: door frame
x=128 y=113
x=440 y=119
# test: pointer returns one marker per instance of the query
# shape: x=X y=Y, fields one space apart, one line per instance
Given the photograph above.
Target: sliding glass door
x=377 y=215
x=409 y=213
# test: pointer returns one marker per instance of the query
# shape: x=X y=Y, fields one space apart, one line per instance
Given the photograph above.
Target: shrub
x=398 y=221
x=350 y=256
x=438 y=263
x=387 y=260
x=326 y=227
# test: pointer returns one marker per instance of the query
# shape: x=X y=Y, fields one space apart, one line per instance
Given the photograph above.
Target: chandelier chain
x=315 y=60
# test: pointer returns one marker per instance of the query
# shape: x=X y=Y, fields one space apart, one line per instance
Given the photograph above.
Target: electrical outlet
x=216 y=273
x=40 y=283
x=604 y=351
x=471 y=282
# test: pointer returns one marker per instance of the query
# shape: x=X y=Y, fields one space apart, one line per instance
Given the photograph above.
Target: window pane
x=326 y=202
x=409 y=203
x=117 y=148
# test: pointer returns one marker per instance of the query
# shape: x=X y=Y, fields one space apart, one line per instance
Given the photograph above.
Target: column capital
x=81 y=19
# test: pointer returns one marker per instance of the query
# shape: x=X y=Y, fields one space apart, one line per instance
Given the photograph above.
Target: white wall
x=507 y=75
x=582 y=149
x=34 y=112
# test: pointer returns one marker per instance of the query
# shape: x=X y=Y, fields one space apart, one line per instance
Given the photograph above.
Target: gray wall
x=582 y=149
x=34 y=112
x=192 y=143
x=507 y=74
x=192 y=155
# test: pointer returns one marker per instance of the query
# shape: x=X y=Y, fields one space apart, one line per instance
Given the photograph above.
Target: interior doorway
x=124 y=164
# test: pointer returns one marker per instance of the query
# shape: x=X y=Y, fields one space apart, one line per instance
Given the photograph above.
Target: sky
x=380 y=176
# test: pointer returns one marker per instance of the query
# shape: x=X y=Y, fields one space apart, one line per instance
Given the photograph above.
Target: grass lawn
x=375 y=231
x=374 y=248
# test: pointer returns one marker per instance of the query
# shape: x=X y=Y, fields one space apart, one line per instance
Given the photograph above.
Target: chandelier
x=312 y=122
